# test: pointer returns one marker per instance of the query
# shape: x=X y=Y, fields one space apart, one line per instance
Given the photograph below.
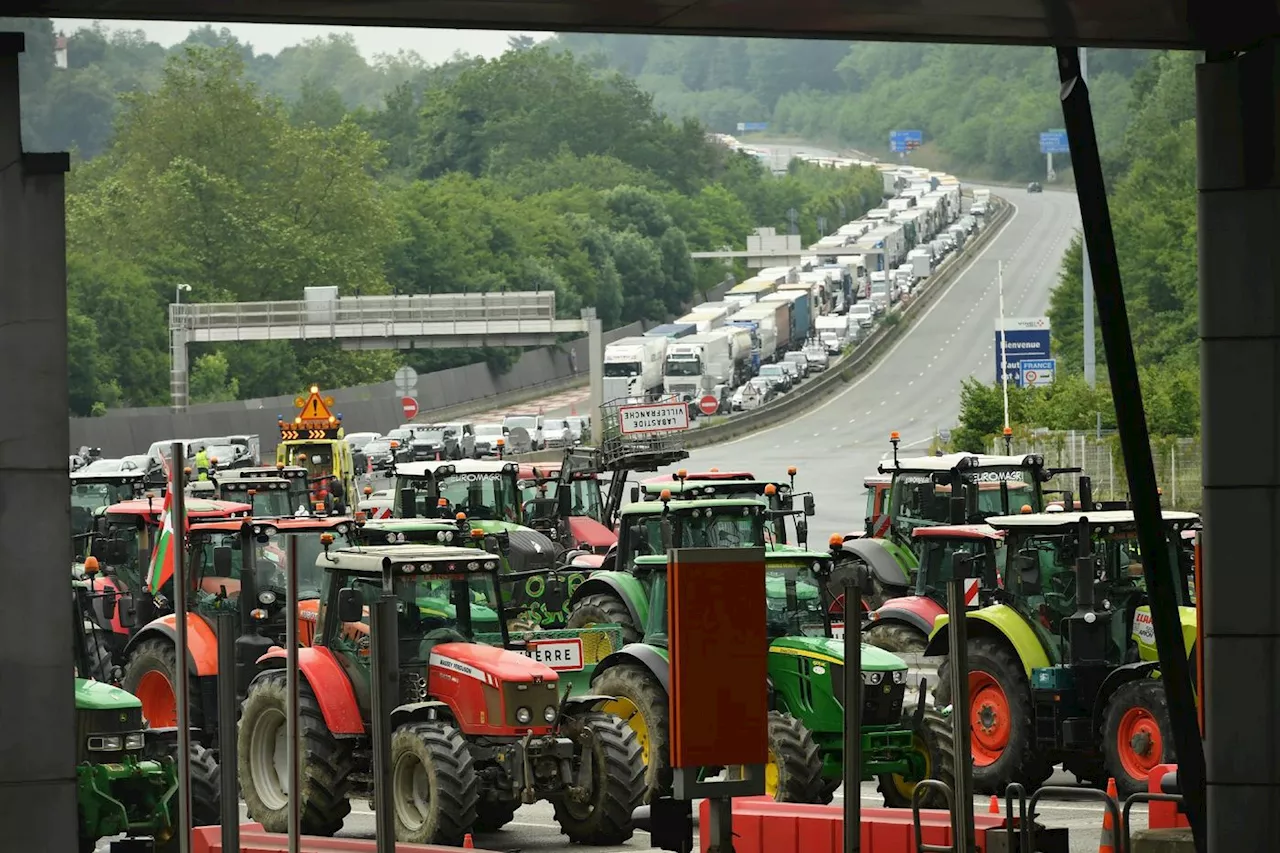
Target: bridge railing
x=418 y=308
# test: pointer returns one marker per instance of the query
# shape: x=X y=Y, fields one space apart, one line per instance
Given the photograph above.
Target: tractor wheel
x=1137 y=734
x=794 y=770
x=262 y=753
x=933 y=742
x=1000 y=718
x=150 y=674
x=641 y=702
x=827 y=792
x=206 y=795
x=602 y=815
x=604 y=609
x=434 y=784
x=895 y=637
x=492 y=815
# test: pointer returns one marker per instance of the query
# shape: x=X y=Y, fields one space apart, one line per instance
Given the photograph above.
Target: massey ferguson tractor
x=477 y=730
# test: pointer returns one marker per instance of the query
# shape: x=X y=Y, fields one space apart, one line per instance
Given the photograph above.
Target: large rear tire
x=151 y=674
x=895 y=637
x=933 y=741
x=206 y=795
x=640 y=701
x=434 y=784
x=327 y=763
x=1137 y=734
x=618 y=782
x=1001 y=718
x=604 y=609
x=793 y=773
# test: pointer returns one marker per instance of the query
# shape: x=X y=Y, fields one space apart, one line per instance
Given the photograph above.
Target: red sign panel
x=410 y=407
x=709 y=405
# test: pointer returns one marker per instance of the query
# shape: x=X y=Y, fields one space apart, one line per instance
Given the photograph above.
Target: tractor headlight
x=872 y=677
x=440 y=536
x=266 y=597
x=523 y=715
x=106 y=743
x=899 y=676
x=550 y=713
x=135 y=741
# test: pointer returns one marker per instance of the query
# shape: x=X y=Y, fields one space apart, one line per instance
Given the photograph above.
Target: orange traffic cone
x=994 y=808
x=1107 y=842
x=467 y=843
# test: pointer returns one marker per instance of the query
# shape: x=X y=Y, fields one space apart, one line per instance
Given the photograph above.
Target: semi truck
x=697 y=364
x=799 y=315
x=750 y=290
x=833 y=331
x=764 y=339
x=778 y=316
x=672 y=331
x=704 y=322
x=633 y=367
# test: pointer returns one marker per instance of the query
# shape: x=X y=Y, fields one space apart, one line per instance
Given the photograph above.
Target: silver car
x=487 y=438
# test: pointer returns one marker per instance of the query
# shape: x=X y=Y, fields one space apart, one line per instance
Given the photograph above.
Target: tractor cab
x=568 y=500
x=273 y=492
x=98 y=485
x=314 y=440
x=777 y=496
x=877 y=519
x=485 y=490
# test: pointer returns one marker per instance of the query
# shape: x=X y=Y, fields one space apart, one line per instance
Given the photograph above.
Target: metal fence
x=1177 y=462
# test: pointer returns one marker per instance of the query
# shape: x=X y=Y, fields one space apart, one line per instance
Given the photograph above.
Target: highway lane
x=914 y=387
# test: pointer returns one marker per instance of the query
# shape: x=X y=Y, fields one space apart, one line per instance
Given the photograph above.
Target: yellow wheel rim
x=906 y=788
x=628 y=712
x=772 y=776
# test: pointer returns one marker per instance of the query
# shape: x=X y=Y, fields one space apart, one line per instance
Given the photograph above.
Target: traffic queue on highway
x=515 y=580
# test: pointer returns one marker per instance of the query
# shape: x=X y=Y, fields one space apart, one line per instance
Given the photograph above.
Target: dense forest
x=1153 y=212
x=531 y=171
x=981 y=109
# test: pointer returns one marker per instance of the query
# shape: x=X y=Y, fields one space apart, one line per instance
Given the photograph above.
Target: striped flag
x=162 y=558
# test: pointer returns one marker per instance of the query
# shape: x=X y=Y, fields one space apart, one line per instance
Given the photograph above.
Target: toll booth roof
x=460 y=466
x=957 y=531
x=964 y=461
x=1052 y=520
x=421 y=558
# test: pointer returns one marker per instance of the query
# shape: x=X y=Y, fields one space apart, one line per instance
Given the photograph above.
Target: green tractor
x=1062 y=667
x=901 y=745
x=920 y=494
x=126 y=772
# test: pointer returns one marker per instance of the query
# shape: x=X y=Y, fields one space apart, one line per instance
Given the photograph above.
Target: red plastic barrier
x=764 y=826
x=1163 y=815
x=254 y=839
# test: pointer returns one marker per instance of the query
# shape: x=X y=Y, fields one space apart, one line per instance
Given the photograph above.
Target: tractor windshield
x=585 y=498
x=793 y=600
x=1005 y=491
x=273 y=503
x=713 y=527
x=483 y=497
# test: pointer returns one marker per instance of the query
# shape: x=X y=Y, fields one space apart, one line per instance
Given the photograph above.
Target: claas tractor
x=904 y=624
x=921 y=494
x=476 y=730
x=126 y=771
x=241 y=566
x=900 y=747
x=1055 y=669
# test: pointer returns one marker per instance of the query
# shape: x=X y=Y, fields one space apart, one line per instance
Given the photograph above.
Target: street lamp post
x=178 y=290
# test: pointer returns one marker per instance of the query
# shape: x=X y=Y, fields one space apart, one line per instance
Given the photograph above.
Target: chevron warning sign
x=971 y=587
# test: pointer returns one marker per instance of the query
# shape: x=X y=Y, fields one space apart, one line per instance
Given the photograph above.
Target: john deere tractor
x=126 y=772
x=900 y=745
x=1056 y=668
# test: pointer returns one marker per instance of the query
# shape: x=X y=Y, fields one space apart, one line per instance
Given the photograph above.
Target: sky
x=433 y=45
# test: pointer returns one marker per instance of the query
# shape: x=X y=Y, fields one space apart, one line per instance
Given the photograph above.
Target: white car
x=487 y=438
x=863 y=314
x=556 y=433
x=817 y=355
x=531 y=424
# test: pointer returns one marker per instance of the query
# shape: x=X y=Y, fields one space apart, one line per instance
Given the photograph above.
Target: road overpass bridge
x=1238 y=87
x=511 y=319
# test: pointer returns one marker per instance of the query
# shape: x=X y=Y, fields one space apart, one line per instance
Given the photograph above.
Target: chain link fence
x=1177 y=463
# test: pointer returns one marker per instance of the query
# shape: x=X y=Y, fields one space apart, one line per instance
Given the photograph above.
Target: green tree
x=210 y=380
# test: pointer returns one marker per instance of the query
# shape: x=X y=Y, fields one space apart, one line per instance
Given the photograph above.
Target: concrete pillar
x=37 y=743
x=595 y=348
x=179 y=376
x=1238 y=127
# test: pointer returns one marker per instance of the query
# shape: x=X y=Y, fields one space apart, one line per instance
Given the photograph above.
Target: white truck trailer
x=633 y=368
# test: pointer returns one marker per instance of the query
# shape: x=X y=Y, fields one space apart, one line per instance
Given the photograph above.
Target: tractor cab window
x=734 y=527
x=1007 y=498
x=916 y=501
x=281 y=551
x=431 y=610
x=273 y=503
x=793 y=601
x=585 y=497
x=483 y=497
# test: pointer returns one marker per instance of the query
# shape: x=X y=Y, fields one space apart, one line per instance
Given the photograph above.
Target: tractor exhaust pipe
x=1086 y=493
x=1084 y=568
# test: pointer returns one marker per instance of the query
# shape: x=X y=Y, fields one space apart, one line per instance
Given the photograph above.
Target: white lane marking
x=885 y=358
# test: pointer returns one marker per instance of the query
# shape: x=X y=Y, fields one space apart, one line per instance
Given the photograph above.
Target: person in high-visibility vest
x=202 y=464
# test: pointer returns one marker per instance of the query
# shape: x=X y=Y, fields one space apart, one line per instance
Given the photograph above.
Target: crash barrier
x=850 y=366
x=255 y=839
x=763 y=825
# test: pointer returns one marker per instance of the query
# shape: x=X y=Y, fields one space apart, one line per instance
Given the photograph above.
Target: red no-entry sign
x=709 y=405
x=410 y=406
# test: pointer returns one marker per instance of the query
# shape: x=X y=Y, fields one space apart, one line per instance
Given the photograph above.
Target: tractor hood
x=529 y=548
x=872 y=657
x=589 y=533
x=95 y=696
x=482 y=617
x=485 y=663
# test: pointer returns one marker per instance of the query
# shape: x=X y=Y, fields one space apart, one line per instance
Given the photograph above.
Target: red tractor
x=241 y=565
x=478 y=727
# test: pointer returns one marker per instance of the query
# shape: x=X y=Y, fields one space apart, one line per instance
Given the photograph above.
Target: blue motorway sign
x=1036 y=372
x=1023 y=338
x=1054 y=142
x=905 y=140
x=750 y=126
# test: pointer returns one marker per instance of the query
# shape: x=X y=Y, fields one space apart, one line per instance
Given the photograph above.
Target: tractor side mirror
x=802 y=532
x=127 y=609
x=1028 y=569
x=408 y=504
x=222 y=562
x=809 y=509
x=350 y=605
x=635 y=494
